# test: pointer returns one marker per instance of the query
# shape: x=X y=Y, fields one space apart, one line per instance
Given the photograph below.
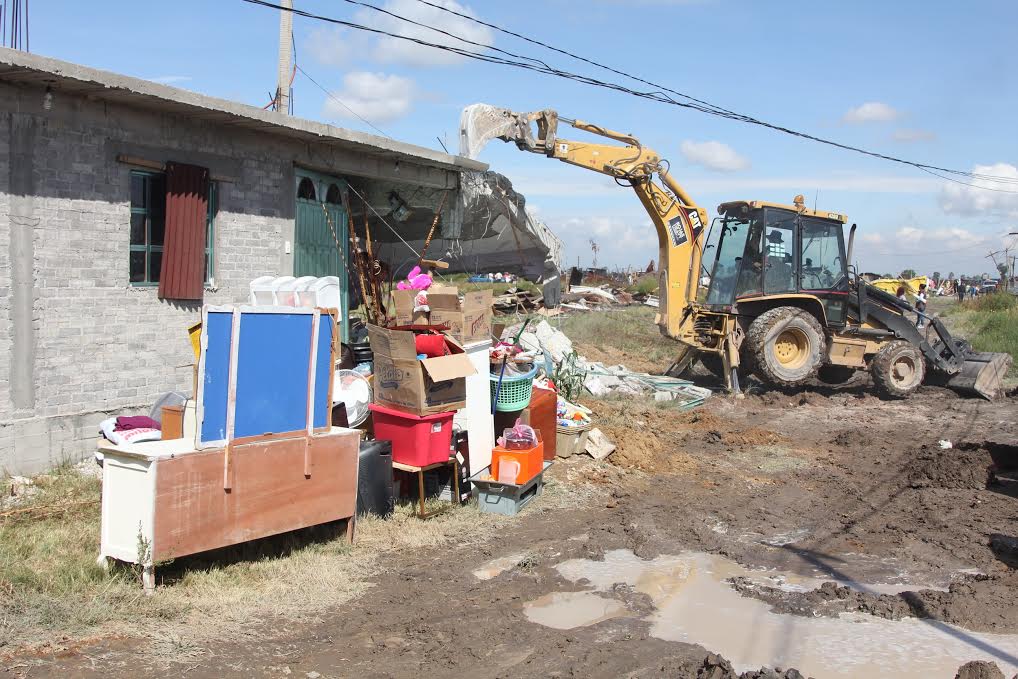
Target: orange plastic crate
x=531 y=461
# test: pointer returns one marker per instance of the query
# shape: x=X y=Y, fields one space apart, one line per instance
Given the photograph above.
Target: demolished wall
x=485 y=227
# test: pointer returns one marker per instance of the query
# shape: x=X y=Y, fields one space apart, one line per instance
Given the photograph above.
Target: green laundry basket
x=515 y=393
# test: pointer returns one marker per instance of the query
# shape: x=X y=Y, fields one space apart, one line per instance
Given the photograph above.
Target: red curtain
x=187 y=205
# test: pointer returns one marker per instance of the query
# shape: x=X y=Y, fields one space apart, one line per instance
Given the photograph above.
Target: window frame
x=209 y=262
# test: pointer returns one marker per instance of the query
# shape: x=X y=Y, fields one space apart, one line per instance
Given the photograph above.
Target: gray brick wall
x=102 y=346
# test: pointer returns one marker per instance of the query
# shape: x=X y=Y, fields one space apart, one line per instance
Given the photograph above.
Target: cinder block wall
x=77 y=341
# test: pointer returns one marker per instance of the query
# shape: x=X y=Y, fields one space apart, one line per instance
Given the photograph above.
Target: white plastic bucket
x=262 y=292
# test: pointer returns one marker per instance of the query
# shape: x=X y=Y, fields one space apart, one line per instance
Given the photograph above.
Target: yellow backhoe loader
x=782 y=300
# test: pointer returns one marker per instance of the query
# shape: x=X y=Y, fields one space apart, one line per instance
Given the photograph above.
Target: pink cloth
x=135 y=422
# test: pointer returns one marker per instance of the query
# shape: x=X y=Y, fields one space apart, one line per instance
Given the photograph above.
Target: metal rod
x=434 y=223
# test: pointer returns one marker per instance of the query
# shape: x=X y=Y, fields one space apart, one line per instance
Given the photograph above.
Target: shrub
x=996 y=301
x=647 y=285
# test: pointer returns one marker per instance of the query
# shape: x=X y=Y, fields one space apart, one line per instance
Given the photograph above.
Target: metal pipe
x=851 y=245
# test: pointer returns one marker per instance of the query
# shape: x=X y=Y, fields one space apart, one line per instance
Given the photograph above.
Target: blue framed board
x=263 y=371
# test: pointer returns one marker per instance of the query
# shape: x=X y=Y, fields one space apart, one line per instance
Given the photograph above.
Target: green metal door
x=315 y=252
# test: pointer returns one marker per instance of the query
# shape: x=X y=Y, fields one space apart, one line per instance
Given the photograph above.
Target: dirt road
x=832 y=485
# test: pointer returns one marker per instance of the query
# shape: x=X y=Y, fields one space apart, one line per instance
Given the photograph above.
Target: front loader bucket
x=982 y=374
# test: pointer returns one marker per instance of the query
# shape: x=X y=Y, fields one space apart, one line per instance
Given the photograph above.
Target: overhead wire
x=690 y=102
x=722 y=111
x=343 y=104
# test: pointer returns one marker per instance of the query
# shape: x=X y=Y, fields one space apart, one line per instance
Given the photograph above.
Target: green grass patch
x=460 y=281
x=989 y=322
x=647 y=285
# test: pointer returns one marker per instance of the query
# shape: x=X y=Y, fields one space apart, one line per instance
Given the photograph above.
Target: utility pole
x=285 y=56
x=1011 y=274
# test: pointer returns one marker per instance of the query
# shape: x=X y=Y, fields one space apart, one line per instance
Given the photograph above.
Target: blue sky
x=935 y=82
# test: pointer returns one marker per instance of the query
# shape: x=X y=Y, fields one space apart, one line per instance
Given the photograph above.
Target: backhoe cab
x=769 y=289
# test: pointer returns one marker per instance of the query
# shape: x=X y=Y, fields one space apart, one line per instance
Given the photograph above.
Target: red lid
x=377 y=408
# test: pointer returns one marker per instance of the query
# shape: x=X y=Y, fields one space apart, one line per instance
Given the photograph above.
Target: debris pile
x=589 y=298
x=601 y=380
x=515 y=301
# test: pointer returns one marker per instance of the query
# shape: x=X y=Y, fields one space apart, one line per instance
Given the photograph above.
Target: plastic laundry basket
x=515 y=392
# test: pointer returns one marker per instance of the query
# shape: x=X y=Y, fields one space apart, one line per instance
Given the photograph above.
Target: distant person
x=973 y=291
x=920 y=306
x=960 y=290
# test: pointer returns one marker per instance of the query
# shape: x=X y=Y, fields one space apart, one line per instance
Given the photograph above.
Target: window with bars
x=148 y=228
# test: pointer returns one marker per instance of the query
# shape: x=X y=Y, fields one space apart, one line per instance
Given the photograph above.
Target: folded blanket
x=109 y=430
x=136 y=422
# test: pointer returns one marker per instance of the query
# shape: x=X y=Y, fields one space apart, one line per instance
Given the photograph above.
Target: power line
x=342 y=103
x=723 y=111
x=694 y=104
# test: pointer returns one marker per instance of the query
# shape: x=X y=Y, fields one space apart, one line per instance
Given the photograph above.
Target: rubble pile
x=602 y=380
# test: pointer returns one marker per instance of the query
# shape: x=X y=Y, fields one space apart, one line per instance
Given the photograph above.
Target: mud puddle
x=569 y=610
x=694 y=604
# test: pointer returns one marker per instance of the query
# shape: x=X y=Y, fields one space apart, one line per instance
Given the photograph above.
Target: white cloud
x=713 y=155
x=334 y=46
x=395 y=50
x=871 y=112
x=171 y=79
x=940 y=239
x=985 y=197
x=623 y=240
x=375 y=96
x=907 y=136
x=874 y=238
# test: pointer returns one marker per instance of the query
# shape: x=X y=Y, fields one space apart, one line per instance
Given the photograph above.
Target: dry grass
x=52 y=590
x=626 y=335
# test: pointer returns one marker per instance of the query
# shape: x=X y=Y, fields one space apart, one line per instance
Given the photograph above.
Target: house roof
x=19 y=67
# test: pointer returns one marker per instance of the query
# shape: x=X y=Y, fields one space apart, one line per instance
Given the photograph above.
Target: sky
x=934 y=82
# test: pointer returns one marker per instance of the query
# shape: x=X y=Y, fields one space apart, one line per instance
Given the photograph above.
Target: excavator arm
x=679 y=222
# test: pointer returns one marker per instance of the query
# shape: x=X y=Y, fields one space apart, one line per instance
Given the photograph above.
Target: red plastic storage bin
x=417 y=440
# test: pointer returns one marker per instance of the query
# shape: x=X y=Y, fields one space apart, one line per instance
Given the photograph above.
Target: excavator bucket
x=480 y=123
x=982 y=374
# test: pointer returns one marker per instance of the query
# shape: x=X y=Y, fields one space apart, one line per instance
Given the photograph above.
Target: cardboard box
x=469 y=321
x=421 y=387
x=403 y=300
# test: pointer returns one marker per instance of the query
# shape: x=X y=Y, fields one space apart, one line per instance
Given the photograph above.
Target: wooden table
x=411 y=469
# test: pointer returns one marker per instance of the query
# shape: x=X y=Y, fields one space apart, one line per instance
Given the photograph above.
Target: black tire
x=898 y=369
x=787 y=345
x=835 y=374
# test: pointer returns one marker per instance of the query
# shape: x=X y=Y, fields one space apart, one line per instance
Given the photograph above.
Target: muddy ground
x=827 y=482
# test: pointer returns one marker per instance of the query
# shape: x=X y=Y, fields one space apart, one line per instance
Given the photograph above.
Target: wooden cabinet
x=171 y=497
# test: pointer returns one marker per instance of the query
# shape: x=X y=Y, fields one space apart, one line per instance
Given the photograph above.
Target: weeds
x=989 y=322
x=647 y=285
x=568 y=377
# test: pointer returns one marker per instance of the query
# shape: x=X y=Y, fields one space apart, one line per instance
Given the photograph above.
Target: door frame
x=322 y=182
